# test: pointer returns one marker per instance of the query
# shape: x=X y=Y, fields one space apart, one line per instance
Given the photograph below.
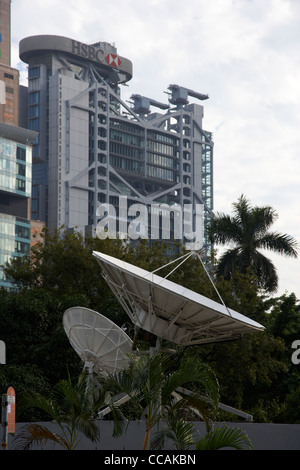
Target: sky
x=245 y=54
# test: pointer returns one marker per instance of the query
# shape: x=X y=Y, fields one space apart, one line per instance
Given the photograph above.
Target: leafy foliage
x=248 y=231
x=255 y=373
x=150 y=382
x=224 y=437
x=73 y=407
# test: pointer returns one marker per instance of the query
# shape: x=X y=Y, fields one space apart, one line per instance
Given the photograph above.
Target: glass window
x=34 y=72
x=21 y=169
x=33 y=111
x=21 y=153
x=34 y=124
x=9 y=75
x=33 y=98
x=20 y=185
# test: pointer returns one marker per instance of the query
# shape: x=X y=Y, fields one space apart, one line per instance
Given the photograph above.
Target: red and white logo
x=113 y=60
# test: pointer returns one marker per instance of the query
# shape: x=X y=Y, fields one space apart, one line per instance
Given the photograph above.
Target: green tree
x=36 y=344
x=247 y=370
x=150 y=382
x=284 y=318
x=181 y=435
x=248 y=231
x=61 y=263
x=284 y=325
x=73 y=407
x=175 y=429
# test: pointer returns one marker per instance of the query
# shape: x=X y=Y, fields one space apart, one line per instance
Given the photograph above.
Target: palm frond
x=224 y=230
x=224 y=437
x=262 y=219
x=73 y=407
x=178 y=433
x=36 y=433
x=280 y=243
x=228 y=263
x=265 y=271
x=36 y=400
x=196 y=372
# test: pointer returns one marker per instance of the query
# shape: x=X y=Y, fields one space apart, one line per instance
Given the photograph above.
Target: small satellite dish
x=169 y=310
x=98 y=341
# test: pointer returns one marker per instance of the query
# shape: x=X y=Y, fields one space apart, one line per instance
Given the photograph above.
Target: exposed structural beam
x=123 y=398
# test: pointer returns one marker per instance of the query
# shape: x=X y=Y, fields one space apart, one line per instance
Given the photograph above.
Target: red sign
x=11 y=411
x=113 y=60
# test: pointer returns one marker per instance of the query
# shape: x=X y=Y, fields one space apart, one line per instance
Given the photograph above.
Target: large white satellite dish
x=99 y=342
x=169 y=310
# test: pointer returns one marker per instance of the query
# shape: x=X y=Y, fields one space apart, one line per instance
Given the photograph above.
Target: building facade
x=94 y=149
x=9 y=77
x=15 y=158
x=15 y=194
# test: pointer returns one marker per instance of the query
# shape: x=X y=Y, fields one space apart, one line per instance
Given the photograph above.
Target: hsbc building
x=93 y=147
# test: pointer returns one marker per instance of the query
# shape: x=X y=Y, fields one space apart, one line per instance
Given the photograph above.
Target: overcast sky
x=245 y=54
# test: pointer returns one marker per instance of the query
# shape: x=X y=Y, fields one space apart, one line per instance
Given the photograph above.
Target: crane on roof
x=179 y=95
x=142 y=104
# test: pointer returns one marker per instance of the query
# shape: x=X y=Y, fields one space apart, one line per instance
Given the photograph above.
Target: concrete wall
x=262 y=436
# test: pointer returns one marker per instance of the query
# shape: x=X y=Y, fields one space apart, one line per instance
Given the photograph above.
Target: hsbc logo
x=91 y=53
x=113 y=60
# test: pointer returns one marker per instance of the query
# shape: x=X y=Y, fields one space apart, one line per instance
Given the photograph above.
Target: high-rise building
x=15 y=194
x=9 y=77
x=15 y=158
x=95 y=149
x=5 y=32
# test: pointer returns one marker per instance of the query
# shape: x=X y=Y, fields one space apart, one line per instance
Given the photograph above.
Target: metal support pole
x=4 y=422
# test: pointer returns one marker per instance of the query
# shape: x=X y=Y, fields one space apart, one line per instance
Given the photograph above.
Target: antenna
x=154 y=304
x=99 y=342
x=169 y=310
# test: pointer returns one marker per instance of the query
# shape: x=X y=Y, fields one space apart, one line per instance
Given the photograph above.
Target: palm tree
x=222 y=437
x=73 y=407
x=180 y=433
x=248 y=231
x=151 y=382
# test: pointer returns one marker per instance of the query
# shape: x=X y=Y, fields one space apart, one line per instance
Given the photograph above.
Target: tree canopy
x=248 y=230
x=255 y=374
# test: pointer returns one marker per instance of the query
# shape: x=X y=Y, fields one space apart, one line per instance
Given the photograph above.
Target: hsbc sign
x=92 y=53
x=113 y=60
